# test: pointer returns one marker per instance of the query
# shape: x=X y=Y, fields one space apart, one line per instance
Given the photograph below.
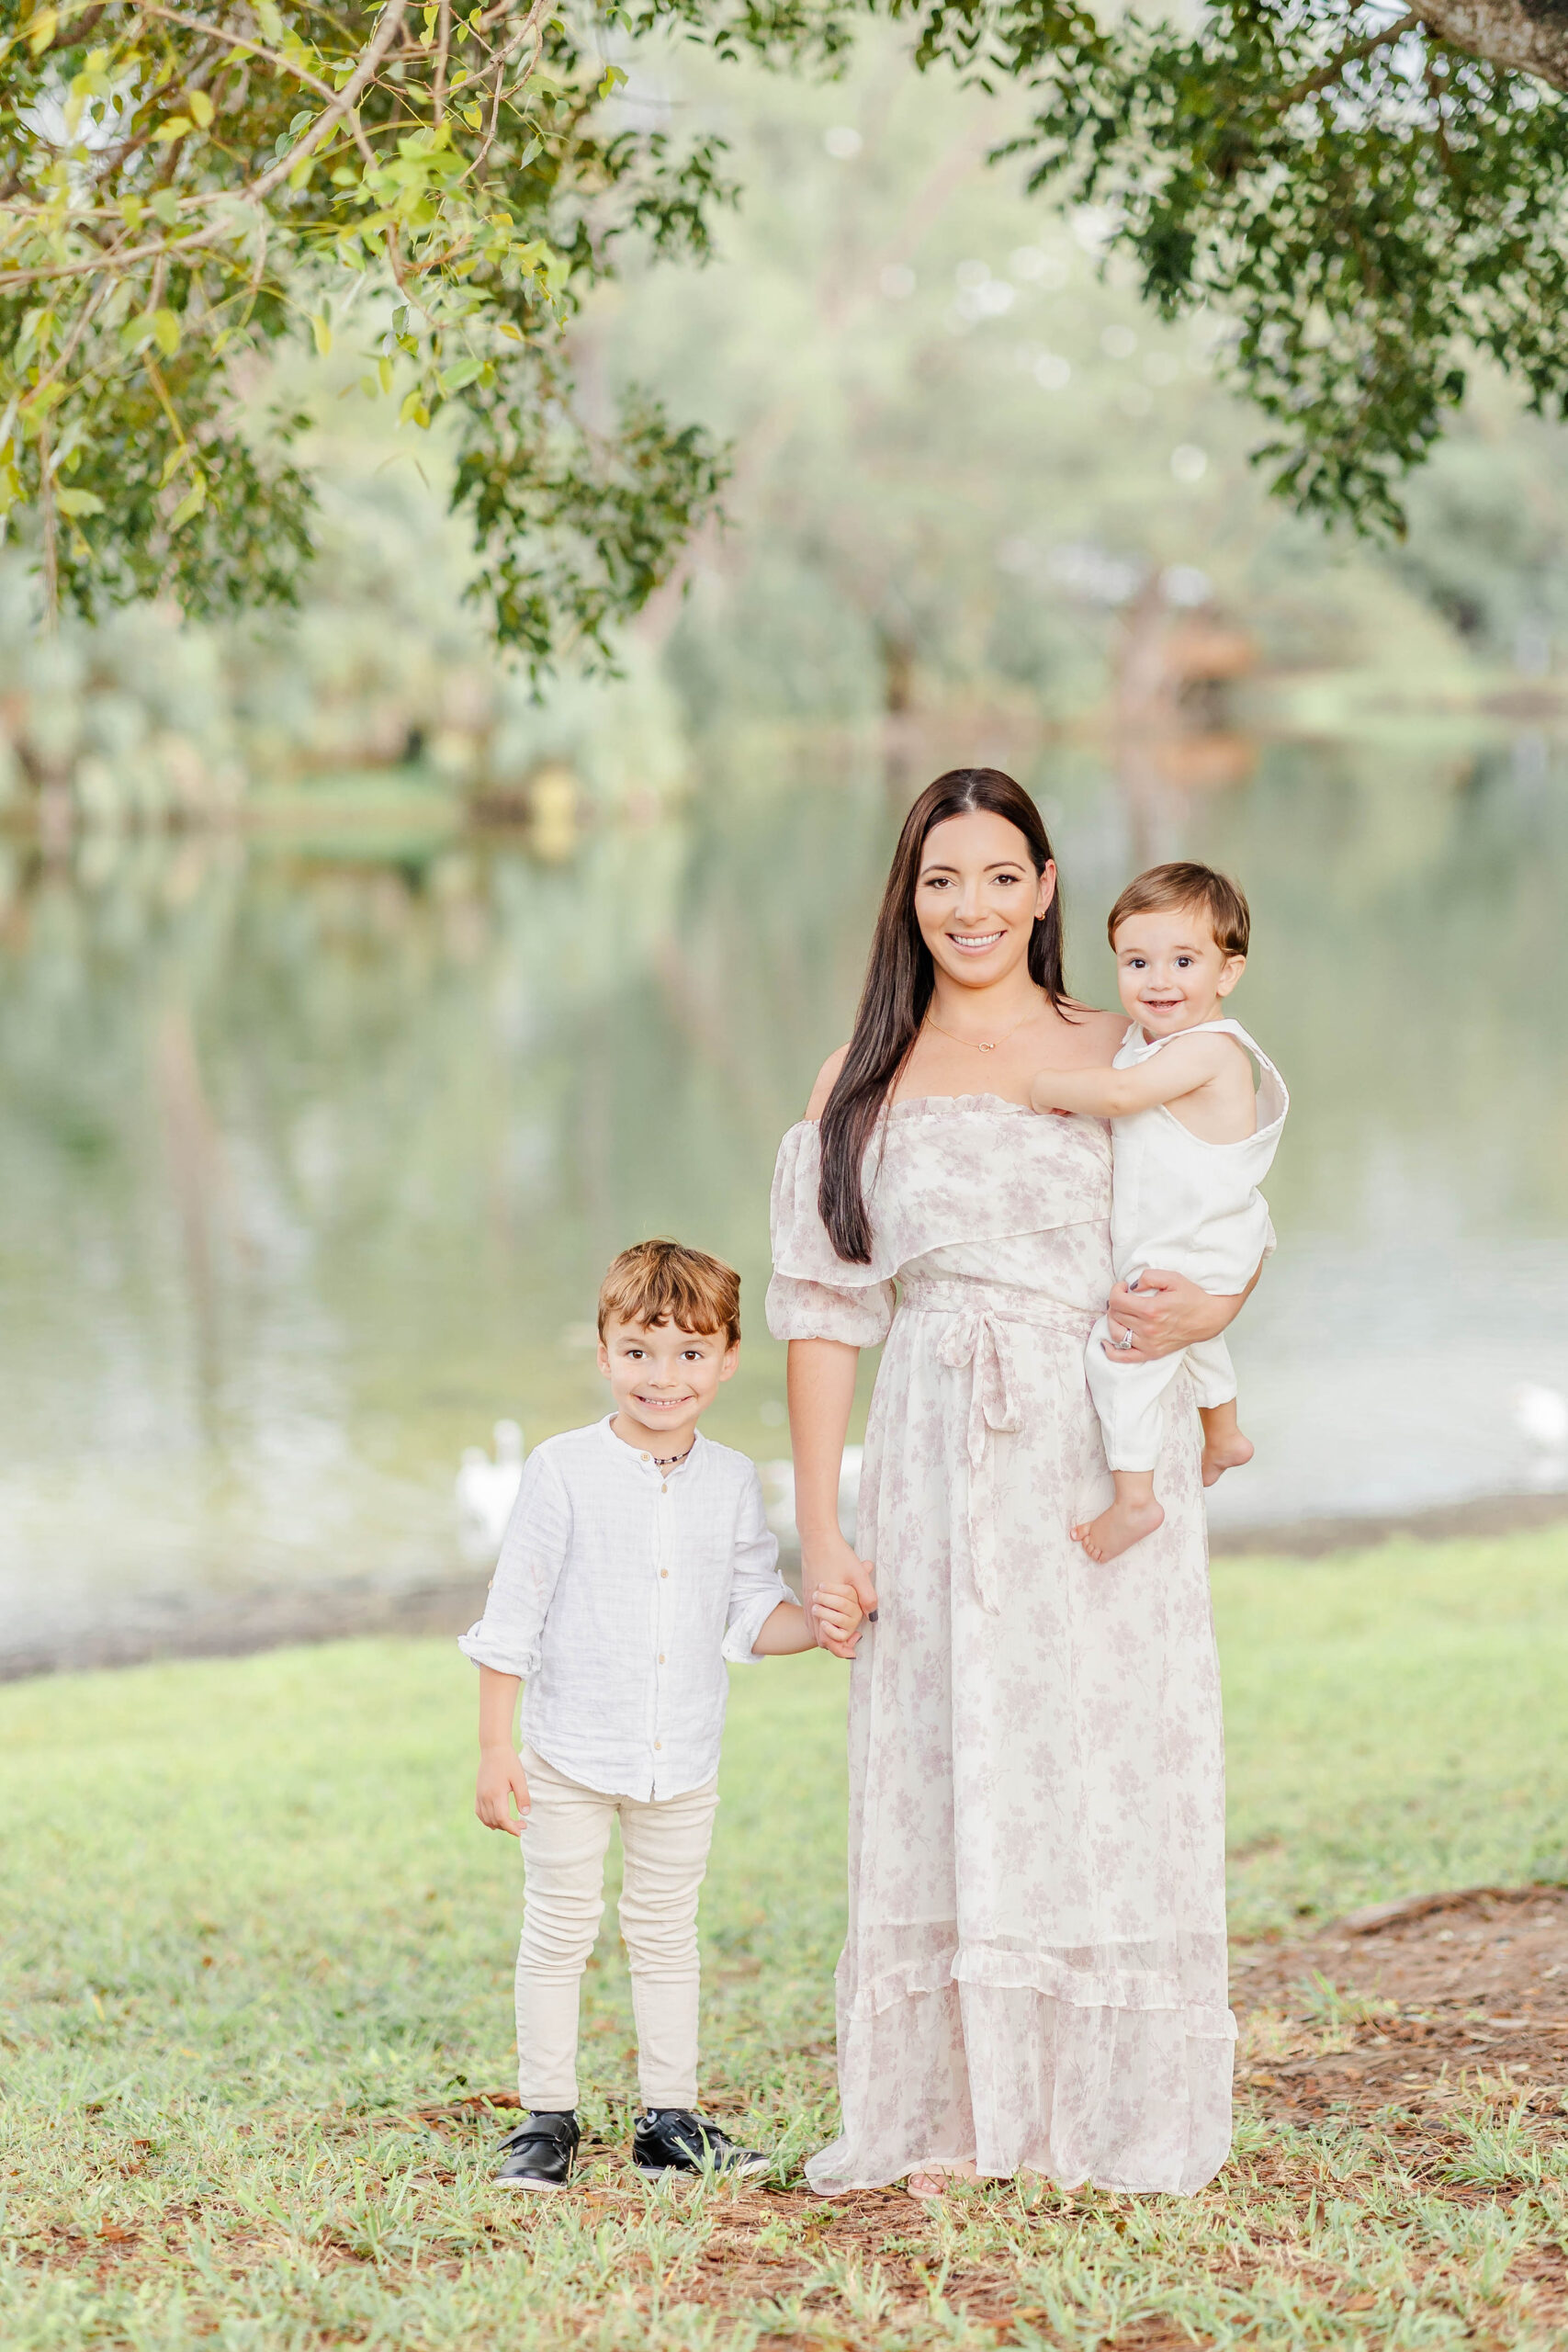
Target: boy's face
x=663 y=1379
x=1171 y=971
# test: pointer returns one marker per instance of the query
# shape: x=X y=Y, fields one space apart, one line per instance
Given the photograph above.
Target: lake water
x=312 y=1147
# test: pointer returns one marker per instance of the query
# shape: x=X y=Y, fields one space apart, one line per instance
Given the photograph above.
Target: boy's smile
x=663 y=1379
x=1171 y=971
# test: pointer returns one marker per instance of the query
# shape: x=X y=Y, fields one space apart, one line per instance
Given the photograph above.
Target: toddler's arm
x=832 y=1620
x=1186 y=1064
x=500 y=1768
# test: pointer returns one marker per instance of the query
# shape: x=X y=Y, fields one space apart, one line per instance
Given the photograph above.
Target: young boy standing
x=636 y=1561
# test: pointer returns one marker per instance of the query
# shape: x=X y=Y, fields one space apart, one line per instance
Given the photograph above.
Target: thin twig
x=270 y=56
x=442 y=46
x=347 y=98
x=50 y=566
x=1348 y=56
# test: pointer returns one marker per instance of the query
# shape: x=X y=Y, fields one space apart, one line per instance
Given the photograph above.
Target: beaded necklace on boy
x=668 y=1461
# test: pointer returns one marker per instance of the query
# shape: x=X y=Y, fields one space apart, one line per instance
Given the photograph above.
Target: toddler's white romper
x=1186 y=1207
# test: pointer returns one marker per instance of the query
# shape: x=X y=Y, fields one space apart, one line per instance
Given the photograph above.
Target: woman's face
x=977 y=896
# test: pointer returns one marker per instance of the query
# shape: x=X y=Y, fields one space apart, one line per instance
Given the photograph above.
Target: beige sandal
x=932 y=2180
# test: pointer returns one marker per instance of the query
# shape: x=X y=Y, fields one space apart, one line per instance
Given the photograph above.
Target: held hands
x=839 y=1594
x=501 y=1777
x=836 y=1616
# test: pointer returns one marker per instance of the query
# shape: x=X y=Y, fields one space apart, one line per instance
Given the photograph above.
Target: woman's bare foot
x=1221 y=1454
x=1117 y=1530
x=932 y=2180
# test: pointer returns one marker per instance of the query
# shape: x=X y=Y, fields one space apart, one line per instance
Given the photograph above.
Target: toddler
x=1192 y=1137
x=636 y=1560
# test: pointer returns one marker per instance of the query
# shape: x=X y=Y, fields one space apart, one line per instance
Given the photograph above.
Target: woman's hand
x=501 y=1777
x=1167 y=1312
x=832 y=1562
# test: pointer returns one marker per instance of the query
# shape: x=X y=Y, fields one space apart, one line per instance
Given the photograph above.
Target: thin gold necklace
x=974 y=1042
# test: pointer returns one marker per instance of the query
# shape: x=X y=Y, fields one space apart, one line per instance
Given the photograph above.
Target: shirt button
x=642 y=1457
x=659 y=1742
x=663 y=1572
x=661 y=1657
x=664 y=1489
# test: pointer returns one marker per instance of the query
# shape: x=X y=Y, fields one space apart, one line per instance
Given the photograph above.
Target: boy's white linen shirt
x=620 y=1591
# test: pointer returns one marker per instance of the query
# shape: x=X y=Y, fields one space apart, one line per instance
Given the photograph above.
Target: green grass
x=251 y=1927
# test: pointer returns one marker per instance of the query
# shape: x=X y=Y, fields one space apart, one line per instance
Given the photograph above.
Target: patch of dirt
x=1394 y=2006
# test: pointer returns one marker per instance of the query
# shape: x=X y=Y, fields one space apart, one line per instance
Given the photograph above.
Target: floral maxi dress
x=1035 y=1974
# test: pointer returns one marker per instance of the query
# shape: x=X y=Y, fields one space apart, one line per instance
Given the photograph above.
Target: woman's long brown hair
x=900 y=980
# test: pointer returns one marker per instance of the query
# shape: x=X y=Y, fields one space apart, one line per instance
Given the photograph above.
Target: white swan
x=486 y=1491
x=1542 y=1415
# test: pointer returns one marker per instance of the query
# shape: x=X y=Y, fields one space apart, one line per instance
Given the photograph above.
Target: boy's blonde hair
x=663 y=1282
x=1182 y=884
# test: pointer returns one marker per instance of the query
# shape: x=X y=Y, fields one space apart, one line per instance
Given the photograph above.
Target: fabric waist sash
x=981 y=1337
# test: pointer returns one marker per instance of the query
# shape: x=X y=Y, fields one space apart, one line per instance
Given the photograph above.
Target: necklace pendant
x=992 y=1046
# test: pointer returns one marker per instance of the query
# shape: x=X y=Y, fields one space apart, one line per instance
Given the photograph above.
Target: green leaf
x=41 y=31
x=270 y=20
x=452 y=380
x=166 y=205
x=166 y=327
x=384 y=370
x=176 y=128
x=414 y=410
x=190 y=504
x=76 y=503
x=201 y=107
x=323 y=334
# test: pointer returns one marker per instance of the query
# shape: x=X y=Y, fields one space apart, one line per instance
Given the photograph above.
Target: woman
x=1035 y=1969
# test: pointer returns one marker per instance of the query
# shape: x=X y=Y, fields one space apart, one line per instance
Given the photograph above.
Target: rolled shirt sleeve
x=756 y=1587
x=532 y=1550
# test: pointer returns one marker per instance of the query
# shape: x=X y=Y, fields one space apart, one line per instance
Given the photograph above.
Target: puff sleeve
x=815 y=1294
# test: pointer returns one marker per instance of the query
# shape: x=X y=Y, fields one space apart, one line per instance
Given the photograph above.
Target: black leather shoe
x=672 y=2139
x=539 y=2153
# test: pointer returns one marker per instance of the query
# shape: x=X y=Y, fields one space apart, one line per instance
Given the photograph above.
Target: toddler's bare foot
x=931 y=2180
x=1117 y=1530
x=1222 y=1453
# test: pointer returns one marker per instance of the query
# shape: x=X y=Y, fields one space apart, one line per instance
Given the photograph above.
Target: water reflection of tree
x=340 y=1147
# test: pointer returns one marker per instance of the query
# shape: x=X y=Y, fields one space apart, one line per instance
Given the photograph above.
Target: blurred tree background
x=973 y=469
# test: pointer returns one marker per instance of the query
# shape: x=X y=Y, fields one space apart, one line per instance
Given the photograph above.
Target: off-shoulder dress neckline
x=936 y=1106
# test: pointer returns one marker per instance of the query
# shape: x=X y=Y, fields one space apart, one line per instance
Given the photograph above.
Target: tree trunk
x=1526 y=36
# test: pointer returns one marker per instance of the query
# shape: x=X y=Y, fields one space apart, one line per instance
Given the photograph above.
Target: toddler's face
x=661 y=1377
x=1171 y=971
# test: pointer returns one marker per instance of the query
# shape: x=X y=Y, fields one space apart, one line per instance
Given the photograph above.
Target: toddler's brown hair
x=1183 y=884
x=663 y=1282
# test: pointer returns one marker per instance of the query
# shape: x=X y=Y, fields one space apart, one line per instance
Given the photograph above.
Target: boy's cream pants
x=665 y=1845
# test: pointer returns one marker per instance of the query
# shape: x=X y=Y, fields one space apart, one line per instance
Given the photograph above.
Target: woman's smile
x=974 y=943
